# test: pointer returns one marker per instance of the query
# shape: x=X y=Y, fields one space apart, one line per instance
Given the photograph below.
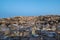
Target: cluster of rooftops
x=26 y=26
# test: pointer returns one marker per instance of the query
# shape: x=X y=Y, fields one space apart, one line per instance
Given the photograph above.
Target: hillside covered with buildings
x=29 y=25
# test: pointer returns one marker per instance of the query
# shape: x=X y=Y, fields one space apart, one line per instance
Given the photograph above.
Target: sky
x=10 y=8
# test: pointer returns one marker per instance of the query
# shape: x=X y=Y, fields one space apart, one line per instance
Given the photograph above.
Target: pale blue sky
x=9 y=8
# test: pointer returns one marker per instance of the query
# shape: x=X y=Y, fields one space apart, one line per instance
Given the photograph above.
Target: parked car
x=49 y=35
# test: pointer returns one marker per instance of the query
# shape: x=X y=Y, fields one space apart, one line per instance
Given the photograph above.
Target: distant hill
x=34 y=19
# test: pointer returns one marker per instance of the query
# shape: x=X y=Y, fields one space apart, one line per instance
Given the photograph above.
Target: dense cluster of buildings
x=31 y=26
